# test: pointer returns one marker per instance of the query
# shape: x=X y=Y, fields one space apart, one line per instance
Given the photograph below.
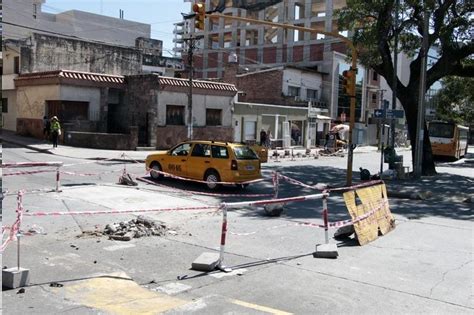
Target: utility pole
x=191 y=46
x=420 y=122
x=395 y=75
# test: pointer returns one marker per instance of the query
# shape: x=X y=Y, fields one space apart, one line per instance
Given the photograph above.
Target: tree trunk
x=409 y=103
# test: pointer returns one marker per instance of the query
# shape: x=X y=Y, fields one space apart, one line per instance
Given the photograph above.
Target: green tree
x=455 y=100
x=451 y=29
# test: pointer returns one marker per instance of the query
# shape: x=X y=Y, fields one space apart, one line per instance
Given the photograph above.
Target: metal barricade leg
x=58 y=182
x=223 y=238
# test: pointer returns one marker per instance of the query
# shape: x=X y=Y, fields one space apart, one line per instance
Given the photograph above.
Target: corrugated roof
x=199 y=84
x=76 y=75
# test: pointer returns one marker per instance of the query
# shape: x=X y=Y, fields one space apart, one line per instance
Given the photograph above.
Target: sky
x=161 y=14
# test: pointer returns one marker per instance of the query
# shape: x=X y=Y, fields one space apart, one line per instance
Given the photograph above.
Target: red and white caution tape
x=318 y=186
x=336 y=224
x=203 y=181
x=90 y=174
x=202 y=193
x=92 y=212
x=15 y=228
x=357 y=186
x=234 y=205
x=29 y=172
x=31 y=164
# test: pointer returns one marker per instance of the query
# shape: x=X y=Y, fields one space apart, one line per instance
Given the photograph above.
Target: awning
x=322 y=118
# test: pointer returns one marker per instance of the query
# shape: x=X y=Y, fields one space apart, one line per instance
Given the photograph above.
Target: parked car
x=210 y=161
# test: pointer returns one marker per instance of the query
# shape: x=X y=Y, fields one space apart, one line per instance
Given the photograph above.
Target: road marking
x=117 y=295
x=260 y=307
x=118 y=247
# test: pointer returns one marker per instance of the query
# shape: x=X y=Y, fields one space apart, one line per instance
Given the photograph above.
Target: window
x=213 y=117
x=374 y=98
x=219 y=152
x=375 y=76
x=245 y=153
x=4 y=105
x=311 y=95
x=174 y=115
x=16 y=65
x=181 y=150
x=293 y=91
x=441 y=130
x=201 y=150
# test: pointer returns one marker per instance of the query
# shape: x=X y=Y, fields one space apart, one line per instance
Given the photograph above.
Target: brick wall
x=107 y=141
x=30 y=127
x=316 y=52
x=261 y=87
x=298 y=53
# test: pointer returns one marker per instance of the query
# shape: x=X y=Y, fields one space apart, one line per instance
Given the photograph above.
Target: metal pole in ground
x=57 y=179
x=276 y=183
x=223 y=237
x=325 y=218
x=18 y=218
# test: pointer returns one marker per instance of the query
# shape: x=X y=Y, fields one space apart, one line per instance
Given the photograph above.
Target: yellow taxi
x=209 y=161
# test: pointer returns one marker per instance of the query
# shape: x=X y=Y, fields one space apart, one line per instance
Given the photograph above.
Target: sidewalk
x=75 y=152
x=129 y=155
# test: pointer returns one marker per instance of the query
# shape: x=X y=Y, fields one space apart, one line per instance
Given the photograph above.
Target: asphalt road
x=423 y=266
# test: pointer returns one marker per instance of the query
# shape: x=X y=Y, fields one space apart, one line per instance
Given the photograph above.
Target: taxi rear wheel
x=211 y=177
x=157 y=167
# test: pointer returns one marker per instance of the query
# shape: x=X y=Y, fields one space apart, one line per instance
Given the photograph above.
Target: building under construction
x=260 y=46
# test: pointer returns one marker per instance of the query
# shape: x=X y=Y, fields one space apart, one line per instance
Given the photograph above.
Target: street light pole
x=420 y=123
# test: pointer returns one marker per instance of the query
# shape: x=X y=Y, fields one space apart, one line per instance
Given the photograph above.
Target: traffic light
x=348 y=82
x=200 y=12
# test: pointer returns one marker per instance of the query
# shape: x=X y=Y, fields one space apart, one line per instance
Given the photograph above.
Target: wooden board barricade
x=371 y=204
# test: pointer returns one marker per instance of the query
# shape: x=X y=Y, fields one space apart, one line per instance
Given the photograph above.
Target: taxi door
x=199 y=160
x=176 y=161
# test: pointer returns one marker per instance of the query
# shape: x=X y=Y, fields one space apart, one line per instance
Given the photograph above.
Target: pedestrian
x=263 y=137
x=46 y=127
x=55 y=130
x=268 y=143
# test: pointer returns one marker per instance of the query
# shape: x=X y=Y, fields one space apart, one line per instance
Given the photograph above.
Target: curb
x=31 y=147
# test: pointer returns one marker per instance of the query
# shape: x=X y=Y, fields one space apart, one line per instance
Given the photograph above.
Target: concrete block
x=13 y=278
x=206 y=262
x=326 y=251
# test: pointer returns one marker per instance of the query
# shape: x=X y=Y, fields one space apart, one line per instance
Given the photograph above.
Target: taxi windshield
x=244 y=153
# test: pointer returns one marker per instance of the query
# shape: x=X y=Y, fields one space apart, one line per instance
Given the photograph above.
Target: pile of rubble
x=136 y=228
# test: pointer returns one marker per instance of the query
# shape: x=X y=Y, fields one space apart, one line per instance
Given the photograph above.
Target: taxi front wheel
x=212 y=177
x=155 y=167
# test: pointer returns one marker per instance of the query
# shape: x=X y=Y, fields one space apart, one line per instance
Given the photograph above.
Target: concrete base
x=206 y=262
x=13 y=278
x=326 y=251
